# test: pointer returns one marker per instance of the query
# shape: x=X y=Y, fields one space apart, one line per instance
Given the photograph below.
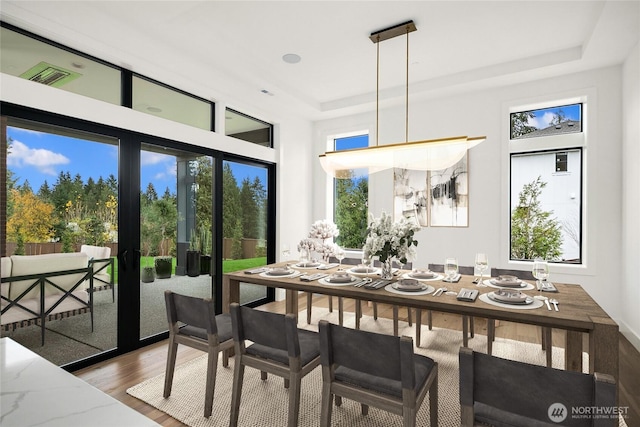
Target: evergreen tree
x=351 y=211
x=230 y=202
x=534 y=232
x=249 y=210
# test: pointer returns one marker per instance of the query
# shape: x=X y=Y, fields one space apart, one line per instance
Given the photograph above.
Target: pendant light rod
x=406 y=89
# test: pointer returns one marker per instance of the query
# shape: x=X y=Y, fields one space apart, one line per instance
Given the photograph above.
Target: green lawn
x=227 y=265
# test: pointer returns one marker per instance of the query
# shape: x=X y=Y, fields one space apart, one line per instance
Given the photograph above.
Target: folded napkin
x=510 y=297
x=363 y=270
x=279 y=271
x=468 y=295
x=339 y=278
x=422 y=274
x=309 y=264
x=454 y=279
x=408 y=285
x=507 y=281
x=256 y=270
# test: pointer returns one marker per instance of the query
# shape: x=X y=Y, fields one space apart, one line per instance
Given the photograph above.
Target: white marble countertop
x=35 y=392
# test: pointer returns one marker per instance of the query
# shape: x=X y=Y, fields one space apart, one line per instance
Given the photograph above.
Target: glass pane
x=170 y=104
x=62 y=207
x=546 y=206
x=244 y=223
x=546 y=122
x=46 y=64
x=247 y=128
x=175 y=230
x=351 y=199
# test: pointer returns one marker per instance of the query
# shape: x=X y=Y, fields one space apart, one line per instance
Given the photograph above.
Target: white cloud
x=21 y=155
x=541 y=122
x=149 y=158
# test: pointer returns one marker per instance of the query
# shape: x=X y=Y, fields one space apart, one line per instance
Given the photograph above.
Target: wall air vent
x=50 y=75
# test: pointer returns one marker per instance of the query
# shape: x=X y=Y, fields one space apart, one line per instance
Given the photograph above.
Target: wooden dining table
x=578 y=314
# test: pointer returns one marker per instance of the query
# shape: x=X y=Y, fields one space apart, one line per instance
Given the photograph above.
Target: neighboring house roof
x=564 y=127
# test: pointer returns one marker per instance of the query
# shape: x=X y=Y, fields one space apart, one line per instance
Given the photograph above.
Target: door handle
x=122 y=259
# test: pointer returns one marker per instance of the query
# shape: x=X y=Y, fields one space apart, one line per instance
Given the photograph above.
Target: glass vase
x=387 y=269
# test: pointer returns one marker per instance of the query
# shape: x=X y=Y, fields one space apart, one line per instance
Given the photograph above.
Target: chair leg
x=286 y=383
x=327 y=405
x=358 y=313
x=395 y=320
x=465 y=331
x=409 y=417
x=433 y=402
x=225 y=358
x=409 y=316
x=238 y=376
x=375 y=311
x=430 y=319
x=338 y=400
x=418 y=325
x=340 y=311
x=471 y=327
x=263 y=375
x=309 y=305
x=212 y=367
x=491 y=335
x=171 y=365
x=330 y=303
x=364 y=409
x=294 y=399
x=546 y=333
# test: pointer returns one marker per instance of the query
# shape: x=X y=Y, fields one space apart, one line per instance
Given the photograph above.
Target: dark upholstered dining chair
x=193 y=322
x=502 y=392
x=376 y=370
x=279 y=348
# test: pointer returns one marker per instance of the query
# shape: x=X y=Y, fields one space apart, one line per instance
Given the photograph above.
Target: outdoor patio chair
x=502 y=392
x=375 y=370
x=193 y=322
x=278 y=347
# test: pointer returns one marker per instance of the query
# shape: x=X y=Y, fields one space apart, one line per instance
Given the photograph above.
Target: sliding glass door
x=61 y=200
x=157 y=214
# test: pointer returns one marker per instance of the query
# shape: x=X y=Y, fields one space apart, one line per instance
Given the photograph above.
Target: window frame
x=588 y=98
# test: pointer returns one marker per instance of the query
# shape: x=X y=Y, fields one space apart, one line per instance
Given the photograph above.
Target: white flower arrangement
x=326 y=250
x=323 y=229
x=387 y=240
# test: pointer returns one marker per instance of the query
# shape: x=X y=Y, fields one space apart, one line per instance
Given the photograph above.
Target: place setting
x=281 y=272
x=422 y=275
x=339 y=278
x=508 y=281
x=412 y=286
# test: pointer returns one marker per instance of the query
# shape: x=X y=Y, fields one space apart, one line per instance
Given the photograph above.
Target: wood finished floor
x=115 y=376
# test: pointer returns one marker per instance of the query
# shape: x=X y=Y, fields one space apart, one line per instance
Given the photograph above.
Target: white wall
x=483 y=113
x=630 y=290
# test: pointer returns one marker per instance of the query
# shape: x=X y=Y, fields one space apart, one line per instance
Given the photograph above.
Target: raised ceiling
x=232 y=50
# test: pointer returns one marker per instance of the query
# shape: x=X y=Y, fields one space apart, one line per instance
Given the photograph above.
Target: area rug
x=265 y=403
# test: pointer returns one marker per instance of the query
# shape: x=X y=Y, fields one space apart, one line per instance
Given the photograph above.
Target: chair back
x=367 y=352
x=520 y=274
x=506 y=389
x=265 y=328
x=439 y=268
x=193 y=311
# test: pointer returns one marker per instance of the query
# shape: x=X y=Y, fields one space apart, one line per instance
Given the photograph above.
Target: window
x=351 y=197
x=41 y=62
x=154 y=98
x=546 y=179
x=247 y=128
x=546 y=121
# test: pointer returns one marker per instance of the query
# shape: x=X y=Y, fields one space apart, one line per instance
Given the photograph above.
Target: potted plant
x=163 y=267
x=193 y=255
x=205 y=250
x=147 y=274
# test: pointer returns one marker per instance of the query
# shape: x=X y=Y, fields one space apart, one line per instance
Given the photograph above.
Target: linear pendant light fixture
x=433 y=154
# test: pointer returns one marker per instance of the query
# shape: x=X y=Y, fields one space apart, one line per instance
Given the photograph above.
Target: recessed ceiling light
x=266 y=92
x=78 y=65
x=154 y=109
x=291 y=58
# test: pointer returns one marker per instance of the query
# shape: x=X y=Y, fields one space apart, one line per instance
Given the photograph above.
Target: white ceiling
x=232 y=50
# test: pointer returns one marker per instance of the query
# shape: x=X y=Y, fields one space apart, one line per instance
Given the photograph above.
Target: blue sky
x=544 y=116
x=38 y=156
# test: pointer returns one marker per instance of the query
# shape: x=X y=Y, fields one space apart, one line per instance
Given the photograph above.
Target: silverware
x=548 y=305
x=555 y=303
x=439 y=291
